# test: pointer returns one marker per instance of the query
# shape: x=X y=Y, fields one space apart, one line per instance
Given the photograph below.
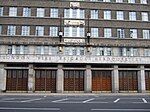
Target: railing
x=73 y=59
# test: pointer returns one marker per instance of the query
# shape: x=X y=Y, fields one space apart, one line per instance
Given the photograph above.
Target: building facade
x=62 y=46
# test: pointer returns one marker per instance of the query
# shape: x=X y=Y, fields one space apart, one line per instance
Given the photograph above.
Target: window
x=26 y=12
x=53 y=50
x=38 y=50
x=11 y=30
x=132 y=16
x=39 y=31
x=66 y=32
x=94 y=14
x=143 y=1
x=81 y=32
x=12 y=11
x=25 y=31
x=107 y=14
x=73 y=32
x=129 y=52
x=146 y=34
x=94 y=32
x=120 y=33
x=40 y=12
x=74 y=13
x=46 y=49
x=119 y=1
x=144 y=16
x=17 y=50
x=102 y=51
x=74 y=51
x=120 y=15
x=53 y=31
x=133 y=33
x=107 y=32
x=0 y=29
x=146 y=52
x=54 y=12
x=9 y=51
x=1 y=11
x=106 y=0
x=131 y=1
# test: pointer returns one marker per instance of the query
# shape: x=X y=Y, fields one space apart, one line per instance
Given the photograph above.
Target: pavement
x=22 y=102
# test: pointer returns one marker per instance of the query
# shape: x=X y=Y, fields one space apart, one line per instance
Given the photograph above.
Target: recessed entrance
x=101 y=80
x=17 y=80
x=45 y=80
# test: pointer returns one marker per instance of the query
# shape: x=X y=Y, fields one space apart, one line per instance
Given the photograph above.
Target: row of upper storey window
x=119 y=1
x=78 y=13
x=53 y=50
x=78 y=32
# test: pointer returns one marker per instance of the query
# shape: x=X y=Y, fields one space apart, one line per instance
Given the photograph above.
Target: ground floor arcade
x=74 y=78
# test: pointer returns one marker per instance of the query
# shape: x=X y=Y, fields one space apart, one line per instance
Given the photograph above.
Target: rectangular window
x=40 y=12
x=0 y=29
x=81 y=32
x=25 y=31
x=120 y=33
x=120 y=15
x=94 y=14
x=146 y=52
x=54 y=12
x=107 y=33
x=132 y=16
x=94 y=32
x=11 y=30
x=53 y=31
x=1 y=11
x=38 y=50
x=66 y=32
x=67 y=13
x=119 y=1
x=146 y=34
x=26 y=12
x=53 y=50
x=9 y=51
x=17 y=50
x=107 y=15
x=25 y=49
x=39 y=31
x=133 y=33
x=143 y=1
x=131 y=1
x=13 y=11
x=106 y=0
x=74 y=13
x=46 y=49
x=144 y=16
x=73 y=32
x=129 y=52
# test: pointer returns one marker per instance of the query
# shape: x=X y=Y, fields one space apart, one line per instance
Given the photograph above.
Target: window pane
x=39 y=31
x=107 y=33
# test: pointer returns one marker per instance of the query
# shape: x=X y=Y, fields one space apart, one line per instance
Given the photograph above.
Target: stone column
x=141 y=80
x=60 y=79
x=31 y=79
x=88 y=79
x=115 y=79
x=2 y=78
